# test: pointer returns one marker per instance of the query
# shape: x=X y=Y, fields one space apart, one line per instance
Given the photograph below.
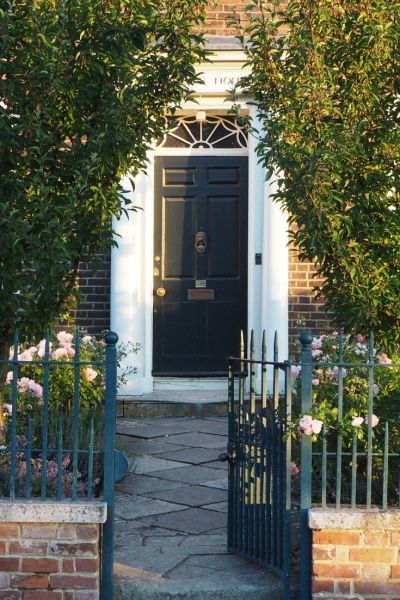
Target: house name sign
x=219 y=77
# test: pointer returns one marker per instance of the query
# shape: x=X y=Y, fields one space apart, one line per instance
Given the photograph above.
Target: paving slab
x=189 y=544
x=219 y=506
x=217 y=464
x=150 y=560
x=192 y=520
x=193 y=456
x=221 y=483
x=133 y=507
x=194 y=495
x=140 y=484
x=190 y=474
x=216 y=427
x=198 y=440
x=135 y=446
x=148 y=464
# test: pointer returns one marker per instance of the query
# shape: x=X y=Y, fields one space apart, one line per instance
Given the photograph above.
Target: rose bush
x=62 y=374
x=385 y=389
x=62 y=351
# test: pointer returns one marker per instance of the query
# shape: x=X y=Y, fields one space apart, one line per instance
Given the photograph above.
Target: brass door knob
x=160 y=292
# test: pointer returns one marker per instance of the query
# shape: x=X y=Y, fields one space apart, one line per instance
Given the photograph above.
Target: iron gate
x=261 y=514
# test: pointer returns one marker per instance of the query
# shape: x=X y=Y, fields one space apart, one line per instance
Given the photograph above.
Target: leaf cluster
x=326 y=81
x=84 y=85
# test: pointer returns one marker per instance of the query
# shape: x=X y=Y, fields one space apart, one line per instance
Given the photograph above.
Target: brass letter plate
x=206 y=294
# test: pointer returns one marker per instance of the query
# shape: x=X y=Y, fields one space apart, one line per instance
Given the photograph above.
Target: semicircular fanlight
x=213 y=132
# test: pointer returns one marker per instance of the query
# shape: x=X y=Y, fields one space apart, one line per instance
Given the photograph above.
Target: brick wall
x=49 y=561
x=355 y=554
x=94 y=311
x=305 y=311
x=218 y=13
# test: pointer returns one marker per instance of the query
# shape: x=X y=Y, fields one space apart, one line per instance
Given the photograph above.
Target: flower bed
x=56 y=390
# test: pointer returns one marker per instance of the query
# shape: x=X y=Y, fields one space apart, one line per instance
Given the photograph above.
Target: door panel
x=224 y=215
x=200 y=263
x=179 y=220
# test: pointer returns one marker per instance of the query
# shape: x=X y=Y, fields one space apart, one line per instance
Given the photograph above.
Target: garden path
x=171 y=516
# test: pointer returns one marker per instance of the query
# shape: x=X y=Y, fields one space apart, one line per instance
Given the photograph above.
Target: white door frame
x=132 y=262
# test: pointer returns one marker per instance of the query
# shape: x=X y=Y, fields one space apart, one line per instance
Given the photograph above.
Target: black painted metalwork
x=260 y=506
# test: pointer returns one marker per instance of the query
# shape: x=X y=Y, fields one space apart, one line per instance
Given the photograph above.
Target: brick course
x=35 y=565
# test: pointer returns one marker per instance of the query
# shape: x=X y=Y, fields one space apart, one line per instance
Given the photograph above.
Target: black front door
x=200 y=263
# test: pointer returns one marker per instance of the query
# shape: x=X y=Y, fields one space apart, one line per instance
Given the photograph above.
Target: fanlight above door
x=213 y=132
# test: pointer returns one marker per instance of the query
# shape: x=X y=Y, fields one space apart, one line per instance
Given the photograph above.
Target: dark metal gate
x=261 y=515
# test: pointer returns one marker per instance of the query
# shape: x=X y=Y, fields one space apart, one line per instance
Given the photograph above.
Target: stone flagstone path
x=171 y=516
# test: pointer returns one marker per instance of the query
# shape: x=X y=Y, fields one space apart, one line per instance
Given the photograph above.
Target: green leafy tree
x=84 y=85
x=326 y=82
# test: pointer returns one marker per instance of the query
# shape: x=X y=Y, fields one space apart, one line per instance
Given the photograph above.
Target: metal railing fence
x=49 y=450
x=278 y=471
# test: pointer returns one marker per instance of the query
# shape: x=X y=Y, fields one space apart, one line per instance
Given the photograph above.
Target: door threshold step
x=168 y=403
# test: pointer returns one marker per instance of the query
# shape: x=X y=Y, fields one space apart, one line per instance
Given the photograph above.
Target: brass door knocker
x=200 y=243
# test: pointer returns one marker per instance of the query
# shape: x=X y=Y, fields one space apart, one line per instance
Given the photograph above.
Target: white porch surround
x=132 y=261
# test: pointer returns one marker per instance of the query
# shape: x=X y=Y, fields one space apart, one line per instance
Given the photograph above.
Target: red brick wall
x=356 y=555
x=305 y=311
x=52 y=561
x=218 y=14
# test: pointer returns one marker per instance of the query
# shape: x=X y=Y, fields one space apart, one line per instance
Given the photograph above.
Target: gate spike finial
x=264 y=346
x=276 y=350
x=241 y=344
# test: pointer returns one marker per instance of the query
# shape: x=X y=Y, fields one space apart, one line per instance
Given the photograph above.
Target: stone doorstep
x=37 y=511
x=159 y=408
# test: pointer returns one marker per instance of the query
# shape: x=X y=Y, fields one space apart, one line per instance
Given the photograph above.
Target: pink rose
x=383 y=359
x=8 y=408
x=86 y=339
x=42 y=347
x=64 y=337
x=374 y=420
x=315 y=381
x=316 y=426
x=295 y=370
x=305 y=425
x=90 y=373
x=9 y=378
x=59 y=353
x=357 y=421
x=294 y=469
x=316 y=353
x=70 y=351
x=35 y=389
x=23 y=384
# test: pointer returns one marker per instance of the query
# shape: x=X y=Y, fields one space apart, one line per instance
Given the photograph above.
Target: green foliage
x=326 y=82
x=345 y=426
x=84 y=85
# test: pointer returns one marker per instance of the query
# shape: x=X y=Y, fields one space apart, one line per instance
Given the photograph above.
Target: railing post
x=306 y=468
x=109 y=447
